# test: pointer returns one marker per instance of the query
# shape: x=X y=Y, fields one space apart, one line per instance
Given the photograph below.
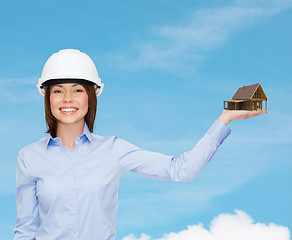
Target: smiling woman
x=67 y=183
x=69 y=100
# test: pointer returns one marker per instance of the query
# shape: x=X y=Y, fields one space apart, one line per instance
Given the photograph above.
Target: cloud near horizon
x=225 y=226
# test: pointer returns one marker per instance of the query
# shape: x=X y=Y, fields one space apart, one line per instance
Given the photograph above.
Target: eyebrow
x=57 y=85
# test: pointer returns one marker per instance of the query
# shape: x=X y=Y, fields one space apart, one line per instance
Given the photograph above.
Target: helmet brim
x=52 y=82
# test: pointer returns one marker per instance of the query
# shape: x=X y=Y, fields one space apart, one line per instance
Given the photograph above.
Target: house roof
x=235 y=101
x=246 y=92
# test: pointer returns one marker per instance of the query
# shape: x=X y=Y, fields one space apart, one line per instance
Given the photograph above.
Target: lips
x=68 y=110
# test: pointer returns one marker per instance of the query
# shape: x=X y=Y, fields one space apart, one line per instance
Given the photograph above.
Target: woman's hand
x=232 y=115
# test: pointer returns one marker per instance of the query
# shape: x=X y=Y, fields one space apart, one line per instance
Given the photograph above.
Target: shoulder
x=103 y=141
x=34 y=147
x=112 y=142
x=98 y=139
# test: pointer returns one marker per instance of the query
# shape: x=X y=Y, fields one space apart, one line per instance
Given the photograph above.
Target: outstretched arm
x=185 y=166
x=162 y=167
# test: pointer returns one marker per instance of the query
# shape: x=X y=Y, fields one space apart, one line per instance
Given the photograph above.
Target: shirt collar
x=55 y=141
x=87 y=133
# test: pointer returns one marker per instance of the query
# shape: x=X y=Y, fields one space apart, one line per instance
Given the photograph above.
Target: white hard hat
x=69 y=65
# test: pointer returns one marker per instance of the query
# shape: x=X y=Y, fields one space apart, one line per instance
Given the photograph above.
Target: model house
x=252 y=98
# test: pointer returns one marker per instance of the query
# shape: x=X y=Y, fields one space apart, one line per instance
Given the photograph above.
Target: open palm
x=232 y=115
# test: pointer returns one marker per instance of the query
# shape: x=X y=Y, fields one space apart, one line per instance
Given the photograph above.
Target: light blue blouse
x=63 y=194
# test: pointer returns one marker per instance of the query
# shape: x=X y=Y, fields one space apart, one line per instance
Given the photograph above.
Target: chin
x=70 y=121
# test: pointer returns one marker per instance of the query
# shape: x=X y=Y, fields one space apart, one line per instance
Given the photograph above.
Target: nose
x=68 y=97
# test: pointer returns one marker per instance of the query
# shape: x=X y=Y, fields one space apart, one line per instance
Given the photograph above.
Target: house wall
x=259 y=94
x=246 y=105
x=230 y=105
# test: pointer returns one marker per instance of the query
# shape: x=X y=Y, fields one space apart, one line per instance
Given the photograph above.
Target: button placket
x=72 y=191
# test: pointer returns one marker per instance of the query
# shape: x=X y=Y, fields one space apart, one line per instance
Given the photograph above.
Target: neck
x=68 y=132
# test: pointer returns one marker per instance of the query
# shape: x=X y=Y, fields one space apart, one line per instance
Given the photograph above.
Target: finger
x=262 y=112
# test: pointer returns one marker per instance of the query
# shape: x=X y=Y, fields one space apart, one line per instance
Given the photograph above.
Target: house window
x=264 y=105
x=226 y=105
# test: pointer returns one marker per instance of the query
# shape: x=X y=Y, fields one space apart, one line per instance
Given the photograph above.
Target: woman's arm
x=162 y=167
x=184 y=167
x=26 y=203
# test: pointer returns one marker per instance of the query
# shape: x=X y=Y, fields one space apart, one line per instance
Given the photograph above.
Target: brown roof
x=245 y=92
x=235 y=101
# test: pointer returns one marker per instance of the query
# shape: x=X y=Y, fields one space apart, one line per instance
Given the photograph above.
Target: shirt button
x=74 y=236
x=73 y=212
x=71 y=188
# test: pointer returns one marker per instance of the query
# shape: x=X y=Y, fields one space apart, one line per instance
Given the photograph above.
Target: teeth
x=68 y=109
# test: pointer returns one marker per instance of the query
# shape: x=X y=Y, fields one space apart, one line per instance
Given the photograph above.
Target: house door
x=258 y=106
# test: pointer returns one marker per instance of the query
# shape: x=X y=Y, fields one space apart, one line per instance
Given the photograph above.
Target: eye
x=56 y=91
x=79 y=90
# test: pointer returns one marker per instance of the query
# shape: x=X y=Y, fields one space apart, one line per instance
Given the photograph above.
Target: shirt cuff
x=219 y=131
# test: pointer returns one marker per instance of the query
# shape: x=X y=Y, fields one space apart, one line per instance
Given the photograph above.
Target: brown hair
x=89 y=118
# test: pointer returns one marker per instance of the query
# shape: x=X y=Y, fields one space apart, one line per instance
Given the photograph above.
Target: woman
x=67 y=183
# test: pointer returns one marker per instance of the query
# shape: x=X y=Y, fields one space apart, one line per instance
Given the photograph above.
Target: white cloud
x=18 y=81
x=270 y=6
x=21 y=90
x=239 y=226
x=173 y=46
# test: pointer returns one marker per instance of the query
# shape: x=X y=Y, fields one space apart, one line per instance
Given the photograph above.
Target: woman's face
x=69 y=103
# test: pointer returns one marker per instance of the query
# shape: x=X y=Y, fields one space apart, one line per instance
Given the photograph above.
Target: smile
x=68 y=109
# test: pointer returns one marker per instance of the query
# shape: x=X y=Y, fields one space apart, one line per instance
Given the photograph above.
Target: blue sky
x=167 y=66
